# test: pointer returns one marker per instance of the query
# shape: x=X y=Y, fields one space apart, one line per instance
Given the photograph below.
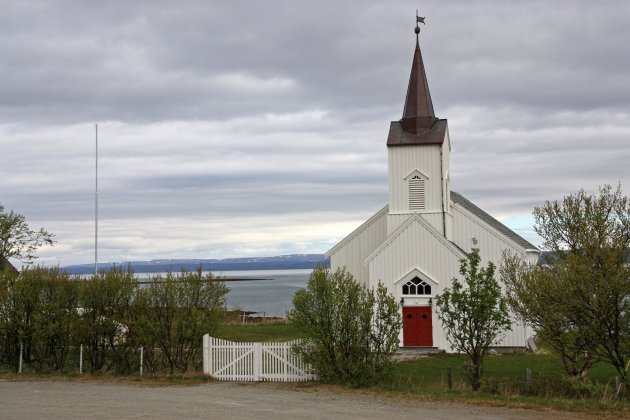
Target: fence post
x=528 y=373
x=206 y=353
x=81 y=359
x=141 y=358
x=285 y=365
x=21 y=357
x=450 y=378
x=257 y=361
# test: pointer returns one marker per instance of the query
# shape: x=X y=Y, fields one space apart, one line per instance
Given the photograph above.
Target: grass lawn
x=152 y=380
x=504 y=377
x=505 y=383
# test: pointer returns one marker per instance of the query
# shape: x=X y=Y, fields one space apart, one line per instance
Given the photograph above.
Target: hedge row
x=49 y=314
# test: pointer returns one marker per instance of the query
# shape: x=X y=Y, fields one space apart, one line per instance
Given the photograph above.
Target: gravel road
x=54 y=400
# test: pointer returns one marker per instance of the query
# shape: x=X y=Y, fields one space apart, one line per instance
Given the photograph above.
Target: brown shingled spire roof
x=418 y=102
x=418 y=115
x=418 y=124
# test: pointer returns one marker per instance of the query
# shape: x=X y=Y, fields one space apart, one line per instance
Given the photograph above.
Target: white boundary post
x=21 y=357
x=257 y=361
x=81 y=359
x=141 y=358
x=206 y=354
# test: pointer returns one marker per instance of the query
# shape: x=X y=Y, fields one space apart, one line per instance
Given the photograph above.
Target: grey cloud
x=277 y=114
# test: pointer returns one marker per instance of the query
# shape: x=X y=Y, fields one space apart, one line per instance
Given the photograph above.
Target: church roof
x=6 y=265
x=418 y=101
x=426 y=226
x=418 y=124
x=399 y=137
x=500 y=227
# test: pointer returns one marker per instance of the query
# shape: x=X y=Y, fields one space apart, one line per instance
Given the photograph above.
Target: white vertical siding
x=357 y=246
x=417 y=246
x=446 y=164
x=405 y=159
x=491 y=245
x=395 y=220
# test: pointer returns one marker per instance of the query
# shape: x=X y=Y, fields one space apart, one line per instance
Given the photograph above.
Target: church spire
x=418 y=114
x=418 y=124
x=418 y=102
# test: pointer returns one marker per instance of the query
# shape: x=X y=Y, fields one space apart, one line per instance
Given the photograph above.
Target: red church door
x=417 y=326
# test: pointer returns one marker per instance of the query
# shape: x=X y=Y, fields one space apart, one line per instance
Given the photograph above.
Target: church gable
x=414 y=244
x=352 y=250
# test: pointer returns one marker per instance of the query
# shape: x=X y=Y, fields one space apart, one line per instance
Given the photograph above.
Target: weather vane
x=419 y=19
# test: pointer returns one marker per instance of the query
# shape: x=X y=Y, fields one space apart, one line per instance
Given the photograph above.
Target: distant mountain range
x=281 y=262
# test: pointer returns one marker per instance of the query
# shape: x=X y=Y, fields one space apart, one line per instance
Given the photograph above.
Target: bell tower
x=418 y=149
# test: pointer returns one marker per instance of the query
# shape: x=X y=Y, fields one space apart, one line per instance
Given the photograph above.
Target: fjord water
x=270 y=291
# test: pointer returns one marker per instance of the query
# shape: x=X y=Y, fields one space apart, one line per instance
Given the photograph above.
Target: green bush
x=49 y=314
x=105 y=303
x=474 y=313
x=352 y=331
x=37 y=311
x=175 y=311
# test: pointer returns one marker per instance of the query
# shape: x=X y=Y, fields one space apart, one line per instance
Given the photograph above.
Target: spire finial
x=419 y=19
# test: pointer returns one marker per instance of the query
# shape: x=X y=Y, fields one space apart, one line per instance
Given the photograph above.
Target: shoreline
x=226 y=279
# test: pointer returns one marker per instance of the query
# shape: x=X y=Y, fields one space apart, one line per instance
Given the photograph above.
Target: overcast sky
x=258 y=128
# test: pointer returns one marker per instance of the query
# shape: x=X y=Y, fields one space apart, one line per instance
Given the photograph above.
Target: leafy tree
x=352 y=331
x=18 y=240
x=55 y=319
x=38 y=311
x=548 y=299
x=586 y=277
x=106 y=301
x=474 y=314
x=178 y=309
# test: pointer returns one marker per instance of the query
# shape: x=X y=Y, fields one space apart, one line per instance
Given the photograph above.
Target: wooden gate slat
x=232 y=361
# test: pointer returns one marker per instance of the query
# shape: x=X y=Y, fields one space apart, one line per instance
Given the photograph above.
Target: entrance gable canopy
x=416 y=272
x=414 y=244
x=434 y=237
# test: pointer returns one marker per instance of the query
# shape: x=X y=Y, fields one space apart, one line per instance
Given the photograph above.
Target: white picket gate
x=231 y=361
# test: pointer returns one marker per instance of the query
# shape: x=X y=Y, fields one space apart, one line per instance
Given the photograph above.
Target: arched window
x=416 y=286
x=417 y=199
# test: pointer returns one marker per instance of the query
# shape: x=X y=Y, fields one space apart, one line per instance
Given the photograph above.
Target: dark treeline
x=49 y=314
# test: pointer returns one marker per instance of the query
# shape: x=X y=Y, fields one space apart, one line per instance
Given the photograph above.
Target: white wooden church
x=414 y=244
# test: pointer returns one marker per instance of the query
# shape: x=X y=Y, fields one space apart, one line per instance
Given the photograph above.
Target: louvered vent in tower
x=417 y=195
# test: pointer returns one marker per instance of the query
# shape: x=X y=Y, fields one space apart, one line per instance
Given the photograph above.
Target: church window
x=417 y=193
x=416 y=286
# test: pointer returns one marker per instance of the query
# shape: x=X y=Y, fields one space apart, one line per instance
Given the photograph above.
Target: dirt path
x=31 y=399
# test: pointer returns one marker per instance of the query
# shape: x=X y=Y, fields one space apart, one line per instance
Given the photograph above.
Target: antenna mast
x=96 y=208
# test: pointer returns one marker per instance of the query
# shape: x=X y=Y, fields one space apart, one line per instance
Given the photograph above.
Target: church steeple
x=418 y=102
x=418 y=149
x=418 y=124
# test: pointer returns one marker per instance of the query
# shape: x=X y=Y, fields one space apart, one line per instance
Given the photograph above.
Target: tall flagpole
x=96 y=208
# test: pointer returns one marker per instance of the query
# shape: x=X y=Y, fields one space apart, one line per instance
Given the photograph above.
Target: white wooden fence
x=230 y=361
